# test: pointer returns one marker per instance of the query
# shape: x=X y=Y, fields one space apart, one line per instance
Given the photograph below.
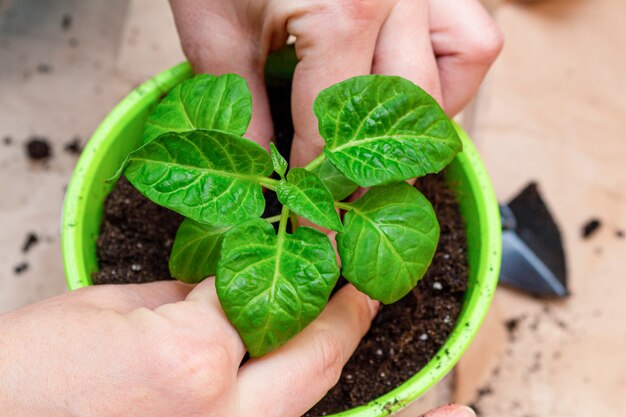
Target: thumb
x=451 y=410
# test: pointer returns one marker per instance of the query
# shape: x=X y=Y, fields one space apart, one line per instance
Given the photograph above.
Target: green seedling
x=379 y=131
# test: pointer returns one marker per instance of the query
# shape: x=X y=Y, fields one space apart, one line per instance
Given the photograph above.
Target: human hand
x=444 y=46
x=451 y=410
x=165 y=349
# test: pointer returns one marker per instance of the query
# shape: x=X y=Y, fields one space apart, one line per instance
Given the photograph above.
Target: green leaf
x=338 y=184
x=208 y=176
x=196 y=250
x=390 y=238
x=306 y=195
x=203 y=102
x=270 y=286
x=382 y=129
x=280 y=164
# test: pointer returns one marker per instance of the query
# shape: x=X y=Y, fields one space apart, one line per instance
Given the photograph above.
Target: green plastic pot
x=121 y=132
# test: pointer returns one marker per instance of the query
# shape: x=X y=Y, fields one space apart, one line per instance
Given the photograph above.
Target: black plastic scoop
x=533 y=259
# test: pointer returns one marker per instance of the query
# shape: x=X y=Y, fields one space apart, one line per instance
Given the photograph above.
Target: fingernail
x=374 y=307
x=463 y=411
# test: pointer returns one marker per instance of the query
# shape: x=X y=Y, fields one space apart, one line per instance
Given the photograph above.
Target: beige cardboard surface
x=553 y=110
x=556 y=114
x=58 y=84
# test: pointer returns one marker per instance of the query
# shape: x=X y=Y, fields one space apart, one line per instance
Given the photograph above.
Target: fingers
x=451 y=410
x=124 y=298
x=334 y=40
x=466 y=41
x=204 y=296
x=404 y=47
x=220 y=39
x=292 y=379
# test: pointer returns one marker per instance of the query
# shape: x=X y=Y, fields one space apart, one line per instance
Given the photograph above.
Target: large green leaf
x=381 y=129
x=305 y=194
x=196 y=250
x=390 y=237
x=203 y=102
x=270 y=286
x=208 y=176
x=338 y=184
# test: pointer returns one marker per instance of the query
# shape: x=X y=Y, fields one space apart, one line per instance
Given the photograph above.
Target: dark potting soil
x=20 y=268
x=38 y=148
x=136 y=240
x=590 y=227
x=74 y=147
x=31 y=240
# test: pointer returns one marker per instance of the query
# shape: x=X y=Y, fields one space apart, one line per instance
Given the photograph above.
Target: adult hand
x=444 y=46
x=451 y=410
x=165 y=349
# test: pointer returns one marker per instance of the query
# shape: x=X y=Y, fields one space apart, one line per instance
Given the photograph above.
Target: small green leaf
x=196 y=250
x=390 y=238
x=338 y=184
x=382 y=129
x=209 y=176
x=203 y=102
x=270 y=286
x=305 y=194
x=280 y=164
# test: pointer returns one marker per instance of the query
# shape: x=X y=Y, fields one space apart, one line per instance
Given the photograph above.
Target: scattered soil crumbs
x=480 y=395
x=407 y=334
x=31 y=240
x=135 y=244
x=74 y=146
x=38 y=149
x=44 y=69
x=136 y=238
x=19 y=268
x=66 y=22
x=590 y=228
x=512 y=325
x=7 y=140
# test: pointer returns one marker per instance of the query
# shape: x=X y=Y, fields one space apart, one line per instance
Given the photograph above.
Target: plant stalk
x=269 y=183
x=343 y=206
x=272 y=219
x=316 y=162
x=284 y=218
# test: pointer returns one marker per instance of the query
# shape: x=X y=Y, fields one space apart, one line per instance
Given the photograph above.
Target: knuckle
x=360 y=9
x=200 y=372
x=355 y=16
x=341 y=19
x=486 y=45
x=330 y=357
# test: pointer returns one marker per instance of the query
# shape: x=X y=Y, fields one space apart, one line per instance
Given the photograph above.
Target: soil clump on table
x=38 y=149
